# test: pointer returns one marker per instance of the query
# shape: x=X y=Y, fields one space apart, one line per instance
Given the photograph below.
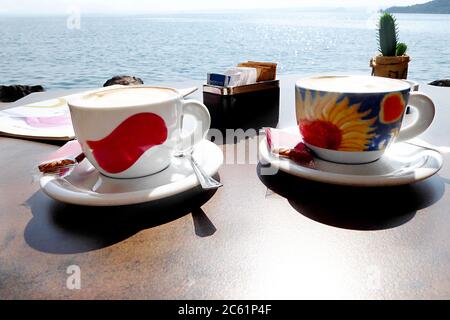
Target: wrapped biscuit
x=266 y=71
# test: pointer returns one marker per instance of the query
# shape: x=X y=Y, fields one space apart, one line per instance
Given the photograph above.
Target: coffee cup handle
x=426 y=110
x=203 y=121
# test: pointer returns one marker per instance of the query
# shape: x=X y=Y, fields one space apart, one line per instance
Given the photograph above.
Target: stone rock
x=16 y=92
x=123 y=80
x=441 y=83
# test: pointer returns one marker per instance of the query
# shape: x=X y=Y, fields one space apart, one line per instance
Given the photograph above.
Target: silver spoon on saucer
x=206 y=181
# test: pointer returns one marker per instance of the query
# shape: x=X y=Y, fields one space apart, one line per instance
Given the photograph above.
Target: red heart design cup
x=130 y=132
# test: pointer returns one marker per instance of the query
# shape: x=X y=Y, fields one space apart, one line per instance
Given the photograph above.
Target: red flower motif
x=321 y=134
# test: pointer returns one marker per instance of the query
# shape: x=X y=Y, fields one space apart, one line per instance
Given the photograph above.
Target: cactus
x=401 y=49
x=388 y=37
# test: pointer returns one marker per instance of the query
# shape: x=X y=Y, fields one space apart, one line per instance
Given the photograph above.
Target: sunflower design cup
x=353 y=119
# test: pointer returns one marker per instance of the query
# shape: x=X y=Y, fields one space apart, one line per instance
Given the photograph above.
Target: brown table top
x=244 y=241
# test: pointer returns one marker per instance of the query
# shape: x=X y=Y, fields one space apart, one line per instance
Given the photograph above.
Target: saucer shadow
x=62 y=228
x=357 y=208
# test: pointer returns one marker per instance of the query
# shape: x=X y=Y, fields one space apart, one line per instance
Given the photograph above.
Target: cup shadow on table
x=357 y=208
x=62 y=228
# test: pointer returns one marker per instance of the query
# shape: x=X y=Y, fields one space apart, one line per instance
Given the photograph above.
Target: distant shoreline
x=432 y=7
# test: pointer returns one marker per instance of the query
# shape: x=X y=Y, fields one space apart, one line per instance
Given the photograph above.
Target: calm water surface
x=174 y=47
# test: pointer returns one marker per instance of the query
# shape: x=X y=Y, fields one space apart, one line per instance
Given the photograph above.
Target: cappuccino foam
x=122 y=97
x=352 y=84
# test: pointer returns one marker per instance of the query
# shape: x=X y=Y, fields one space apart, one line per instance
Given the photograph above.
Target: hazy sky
x=147 y=6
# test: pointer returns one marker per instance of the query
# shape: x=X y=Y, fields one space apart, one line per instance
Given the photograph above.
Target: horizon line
x=182 y=11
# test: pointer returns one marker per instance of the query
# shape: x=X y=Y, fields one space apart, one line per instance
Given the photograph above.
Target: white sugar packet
x=241 y=76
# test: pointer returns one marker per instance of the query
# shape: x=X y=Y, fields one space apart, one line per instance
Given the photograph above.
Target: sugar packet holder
x=243 y=107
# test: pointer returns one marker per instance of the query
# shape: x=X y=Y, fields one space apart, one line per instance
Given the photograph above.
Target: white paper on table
x=49 y=119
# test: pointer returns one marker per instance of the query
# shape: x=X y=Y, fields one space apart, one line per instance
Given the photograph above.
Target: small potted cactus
x=392 y=62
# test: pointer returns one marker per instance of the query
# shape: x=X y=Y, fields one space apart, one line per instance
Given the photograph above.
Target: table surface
x=258 y=237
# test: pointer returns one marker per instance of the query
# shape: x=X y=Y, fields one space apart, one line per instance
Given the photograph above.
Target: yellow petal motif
x=356 y=131
x=338 y=108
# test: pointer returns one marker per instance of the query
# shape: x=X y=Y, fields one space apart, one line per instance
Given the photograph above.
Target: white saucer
x=401 y=164
x=86 y=186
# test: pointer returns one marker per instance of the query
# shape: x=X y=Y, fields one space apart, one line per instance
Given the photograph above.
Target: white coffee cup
x=133 y=131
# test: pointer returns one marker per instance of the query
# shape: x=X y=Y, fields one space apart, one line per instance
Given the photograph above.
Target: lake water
x=175 y=47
